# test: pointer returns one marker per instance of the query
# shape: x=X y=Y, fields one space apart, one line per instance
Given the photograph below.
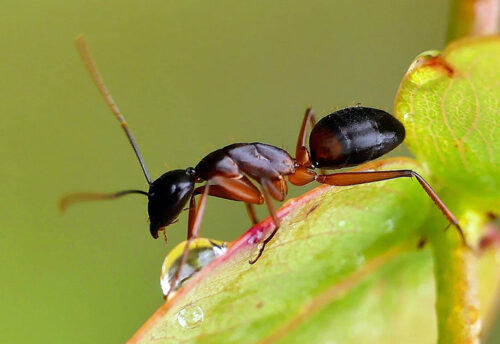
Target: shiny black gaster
x=354 y=135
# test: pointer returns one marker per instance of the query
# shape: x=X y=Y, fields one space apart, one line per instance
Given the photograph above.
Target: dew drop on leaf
x=201 y=253
x=190 y=316
x=389 y=225
x=359 y=261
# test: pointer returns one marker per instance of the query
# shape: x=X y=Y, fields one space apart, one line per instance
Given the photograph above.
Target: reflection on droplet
x=201 y=253
x=190 y=316
x=342 y=223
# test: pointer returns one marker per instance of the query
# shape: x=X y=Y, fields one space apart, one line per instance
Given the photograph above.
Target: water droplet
x=342 y=223
x=190 y=316
x=389 y=226
x=359 y=260
x=201 y=253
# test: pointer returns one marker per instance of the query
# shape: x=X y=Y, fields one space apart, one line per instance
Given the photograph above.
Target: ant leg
x=354 y=178
x=240 y=189
x=251 y=213
x=194 y=222
x=235 y=189
x=268 y=189
x=280 y=189
x=302 y=176
x=301 y=154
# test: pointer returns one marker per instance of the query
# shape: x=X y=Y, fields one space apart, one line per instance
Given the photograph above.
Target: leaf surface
x=344 y=268
x=449 y=103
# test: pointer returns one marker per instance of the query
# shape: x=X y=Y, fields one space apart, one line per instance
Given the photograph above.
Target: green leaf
x=449 y=103
x=343 y=268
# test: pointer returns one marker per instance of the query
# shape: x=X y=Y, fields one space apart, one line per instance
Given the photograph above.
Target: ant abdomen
x=354 y=135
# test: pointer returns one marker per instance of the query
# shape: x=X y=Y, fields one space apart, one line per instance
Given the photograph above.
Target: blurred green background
x=190 y=77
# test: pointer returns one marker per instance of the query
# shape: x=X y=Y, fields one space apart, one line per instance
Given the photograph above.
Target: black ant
x=347 y=137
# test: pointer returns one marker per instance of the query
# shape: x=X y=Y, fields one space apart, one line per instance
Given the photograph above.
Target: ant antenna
x=71 y=199
x=83 y=49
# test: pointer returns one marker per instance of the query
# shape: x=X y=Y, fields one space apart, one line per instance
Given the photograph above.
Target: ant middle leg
x=355 y=178
x=251 y=213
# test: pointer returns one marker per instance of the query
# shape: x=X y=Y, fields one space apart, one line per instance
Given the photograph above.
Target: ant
x=344 y=138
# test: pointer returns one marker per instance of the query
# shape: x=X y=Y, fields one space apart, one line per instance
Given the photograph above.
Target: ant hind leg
x=268 y=189
x=355 y=178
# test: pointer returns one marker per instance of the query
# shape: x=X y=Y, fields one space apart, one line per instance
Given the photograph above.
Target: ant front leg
x=194 y=222
x=355 y=178
x=238 y=189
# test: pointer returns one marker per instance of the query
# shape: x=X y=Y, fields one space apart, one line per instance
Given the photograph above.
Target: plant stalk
x=473 y=18
x=457 y=303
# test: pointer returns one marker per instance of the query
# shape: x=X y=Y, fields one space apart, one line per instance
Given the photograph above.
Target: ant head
x=168 y=195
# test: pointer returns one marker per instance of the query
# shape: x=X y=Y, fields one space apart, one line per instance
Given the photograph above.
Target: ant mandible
x=347 y=137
